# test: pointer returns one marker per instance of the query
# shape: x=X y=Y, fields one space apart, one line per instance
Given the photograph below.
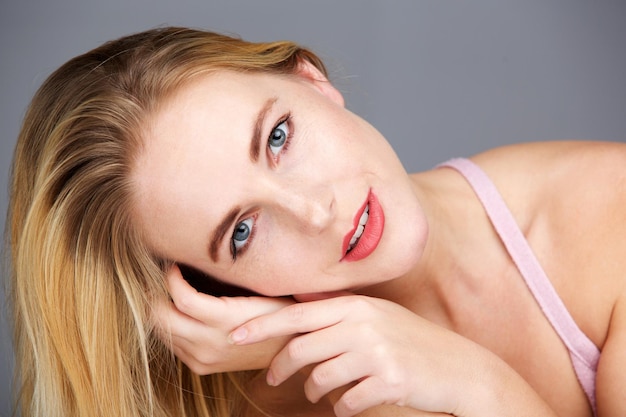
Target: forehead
x=195 y=138
x=215 y=91
x=210 y=104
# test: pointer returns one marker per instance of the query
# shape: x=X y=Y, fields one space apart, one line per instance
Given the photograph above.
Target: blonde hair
x=82 y=280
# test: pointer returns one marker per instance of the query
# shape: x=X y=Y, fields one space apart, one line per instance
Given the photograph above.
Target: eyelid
x=234 y=252
x=287 y=118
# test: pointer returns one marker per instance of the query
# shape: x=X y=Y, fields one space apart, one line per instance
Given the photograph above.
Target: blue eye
x=241 y=235
x=278 y=138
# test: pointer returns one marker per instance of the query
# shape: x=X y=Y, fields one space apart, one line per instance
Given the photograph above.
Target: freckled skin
x=438 y=255
x=302 y=199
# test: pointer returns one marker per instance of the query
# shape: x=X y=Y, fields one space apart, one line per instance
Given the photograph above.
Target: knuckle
x=184 y=304
x=191 y=360
x=256 y=327
x=295 y=349
x=196 y=368
x=361 y=302
x=368 y=332
x=319 y=377
x=380 y=351
x=365 y=306
x=201 y=369
x=296 y=312
x=207 y=359
x=393 y=380
x=349 y=402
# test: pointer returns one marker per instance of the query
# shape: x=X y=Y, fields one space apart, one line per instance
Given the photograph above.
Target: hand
x=394 y=356
x=390 y=356
x=196 y=327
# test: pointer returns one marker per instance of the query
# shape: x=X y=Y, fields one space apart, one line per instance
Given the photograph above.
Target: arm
x=611 y=377
x=391 y=356
x=582 y=188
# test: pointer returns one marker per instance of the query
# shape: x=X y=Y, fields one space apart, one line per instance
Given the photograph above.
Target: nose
x=310 y=207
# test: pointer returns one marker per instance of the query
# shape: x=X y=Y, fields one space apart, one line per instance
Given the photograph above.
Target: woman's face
x=262 y=180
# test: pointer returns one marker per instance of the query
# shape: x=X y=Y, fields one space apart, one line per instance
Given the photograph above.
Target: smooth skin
x=437 y=320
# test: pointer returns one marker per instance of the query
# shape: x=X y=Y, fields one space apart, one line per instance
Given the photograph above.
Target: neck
x=446 y=272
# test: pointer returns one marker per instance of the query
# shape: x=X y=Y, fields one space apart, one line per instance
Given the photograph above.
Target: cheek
x=283 y=267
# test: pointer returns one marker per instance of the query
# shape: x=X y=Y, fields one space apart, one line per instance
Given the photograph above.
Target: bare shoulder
x=583 y=181
x=556 y=161
x=569 y=199
x=546 y=177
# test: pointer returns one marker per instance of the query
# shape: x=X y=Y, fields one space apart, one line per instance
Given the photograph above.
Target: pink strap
x=583 y=352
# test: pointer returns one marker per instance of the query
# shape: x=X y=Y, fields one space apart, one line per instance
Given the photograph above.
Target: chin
x=390 y=266
x=407 y=252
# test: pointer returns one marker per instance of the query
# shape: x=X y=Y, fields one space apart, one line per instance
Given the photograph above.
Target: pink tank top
x=583 y=352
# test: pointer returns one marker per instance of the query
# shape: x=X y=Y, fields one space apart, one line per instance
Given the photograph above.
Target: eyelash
x=233 y=249
x=240 y=251
x=287 y=120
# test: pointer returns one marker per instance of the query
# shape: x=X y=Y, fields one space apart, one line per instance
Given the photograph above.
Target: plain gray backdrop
x=439 y=78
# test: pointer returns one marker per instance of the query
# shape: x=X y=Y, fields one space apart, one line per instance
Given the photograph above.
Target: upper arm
x=611 y=377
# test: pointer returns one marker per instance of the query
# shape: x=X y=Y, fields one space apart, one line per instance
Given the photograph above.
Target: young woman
x=490 y=286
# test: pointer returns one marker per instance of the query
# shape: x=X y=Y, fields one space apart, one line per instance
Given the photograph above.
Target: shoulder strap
x=583 y=351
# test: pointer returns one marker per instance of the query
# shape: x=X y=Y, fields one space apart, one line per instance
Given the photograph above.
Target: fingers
x=339 y=365
x=172 y=323
x=305 y=350
x=195 y=327
x=370 y=392
x=334 y=373
x=204 y=349
x=224 y=312
x=296 y=318
x=189 y=301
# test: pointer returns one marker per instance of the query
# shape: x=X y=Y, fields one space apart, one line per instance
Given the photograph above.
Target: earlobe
x=313 y=75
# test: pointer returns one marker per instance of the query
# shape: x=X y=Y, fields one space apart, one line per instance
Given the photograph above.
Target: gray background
x=439 y=78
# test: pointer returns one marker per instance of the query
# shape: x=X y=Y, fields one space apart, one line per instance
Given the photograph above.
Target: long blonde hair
x=82 y=280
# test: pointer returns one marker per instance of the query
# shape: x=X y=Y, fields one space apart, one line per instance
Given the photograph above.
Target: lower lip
x=371 y=234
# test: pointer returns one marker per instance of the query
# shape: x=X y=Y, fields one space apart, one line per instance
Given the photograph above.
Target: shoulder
x=562 y=161
x=569 y=199
x=582 y=181
x=574 y=176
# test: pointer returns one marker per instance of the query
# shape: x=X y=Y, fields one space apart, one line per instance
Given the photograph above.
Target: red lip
x=371 y=234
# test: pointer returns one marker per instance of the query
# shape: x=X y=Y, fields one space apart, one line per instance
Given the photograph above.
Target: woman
x=383 y=293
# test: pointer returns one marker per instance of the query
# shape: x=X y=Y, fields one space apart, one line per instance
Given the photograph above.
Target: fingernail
x=238 y=336
x=270 y=379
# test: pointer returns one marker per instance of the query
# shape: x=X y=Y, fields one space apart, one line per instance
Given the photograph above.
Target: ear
x=311 y=74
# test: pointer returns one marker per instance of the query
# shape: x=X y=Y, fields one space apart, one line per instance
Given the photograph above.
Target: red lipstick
x=364 y=242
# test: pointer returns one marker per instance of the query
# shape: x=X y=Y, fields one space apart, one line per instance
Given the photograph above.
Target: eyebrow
x=220 y=232
x=255 y=143
x=255 y=150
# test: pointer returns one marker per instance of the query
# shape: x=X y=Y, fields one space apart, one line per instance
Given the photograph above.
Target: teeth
x=360 y=228
x=357 y=234
x=365 y=215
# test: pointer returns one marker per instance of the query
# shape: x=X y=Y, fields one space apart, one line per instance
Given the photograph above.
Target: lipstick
x=369 y=223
